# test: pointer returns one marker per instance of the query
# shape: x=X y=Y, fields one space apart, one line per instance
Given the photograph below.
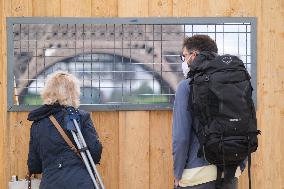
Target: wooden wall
x=137 y=144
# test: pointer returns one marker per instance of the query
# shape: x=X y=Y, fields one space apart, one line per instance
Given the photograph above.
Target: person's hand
x=176 y=183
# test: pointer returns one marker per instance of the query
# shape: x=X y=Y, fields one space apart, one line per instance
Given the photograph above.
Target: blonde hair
x=63 y=88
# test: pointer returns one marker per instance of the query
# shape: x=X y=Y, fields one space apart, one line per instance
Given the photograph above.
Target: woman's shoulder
x=83 y=112
x=44 y=111
x=85 y=115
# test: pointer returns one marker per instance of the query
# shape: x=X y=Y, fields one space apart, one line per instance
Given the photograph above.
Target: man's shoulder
x=183 y=86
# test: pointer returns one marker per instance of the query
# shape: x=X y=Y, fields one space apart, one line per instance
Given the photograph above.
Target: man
x=190 y=171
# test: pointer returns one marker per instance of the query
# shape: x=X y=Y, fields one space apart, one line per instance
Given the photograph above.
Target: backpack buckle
x=206 y=78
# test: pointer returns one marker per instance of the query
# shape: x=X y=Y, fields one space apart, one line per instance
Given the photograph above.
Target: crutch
x=84 y=151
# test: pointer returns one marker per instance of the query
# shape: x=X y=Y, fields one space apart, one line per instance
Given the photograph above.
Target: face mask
x=185 y=68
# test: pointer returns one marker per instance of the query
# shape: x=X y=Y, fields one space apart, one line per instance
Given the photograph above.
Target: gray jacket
x=185 y=142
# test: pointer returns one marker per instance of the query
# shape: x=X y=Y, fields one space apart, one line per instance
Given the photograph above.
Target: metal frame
x=150 y=20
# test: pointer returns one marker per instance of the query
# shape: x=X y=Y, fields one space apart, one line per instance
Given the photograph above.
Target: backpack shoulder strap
x=63 y=134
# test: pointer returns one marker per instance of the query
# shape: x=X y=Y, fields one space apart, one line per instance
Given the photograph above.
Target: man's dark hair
x=200 y=43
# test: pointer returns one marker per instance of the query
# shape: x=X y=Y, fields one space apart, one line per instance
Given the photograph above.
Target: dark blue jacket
x=50 y=155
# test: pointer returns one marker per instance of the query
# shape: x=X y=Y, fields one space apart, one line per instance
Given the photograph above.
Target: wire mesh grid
x=117 y=64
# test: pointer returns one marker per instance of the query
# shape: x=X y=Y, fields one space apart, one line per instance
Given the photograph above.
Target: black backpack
x=224 y=117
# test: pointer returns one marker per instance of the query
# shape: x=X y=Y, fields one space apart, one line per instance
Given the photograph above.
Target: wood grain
x=137 y=145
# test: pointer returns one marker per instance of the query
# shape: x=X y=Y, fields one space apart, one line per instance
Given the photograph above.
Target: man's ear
x=194 y=54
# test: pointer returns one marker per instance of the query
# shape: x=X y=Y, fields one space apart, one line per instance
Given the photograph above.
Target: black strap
x=249 y=166
x=220 y=168
x=218 y=183
x=229 y=173
x=223 y=153
x=249 y=162
x=190 y=99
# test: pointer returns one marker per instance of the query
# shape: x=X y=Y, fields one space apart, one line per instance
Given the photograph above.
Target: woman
x=49 y=154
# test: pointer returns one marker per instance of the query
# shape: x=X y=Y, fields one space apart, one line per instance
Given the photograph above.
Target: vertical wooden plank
x=2 y=89
x=76 y=8
x=4 y=164
x=17 y=135
x=257 y=163
x=46 y=8
x=161 y=8
x=134 y=149
x=133 y=8
x=16 y=143
x=15 y=139
x=107 y=126
x=104 y=8
x=161 y=164
x=7 y=163
x=271 y=103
